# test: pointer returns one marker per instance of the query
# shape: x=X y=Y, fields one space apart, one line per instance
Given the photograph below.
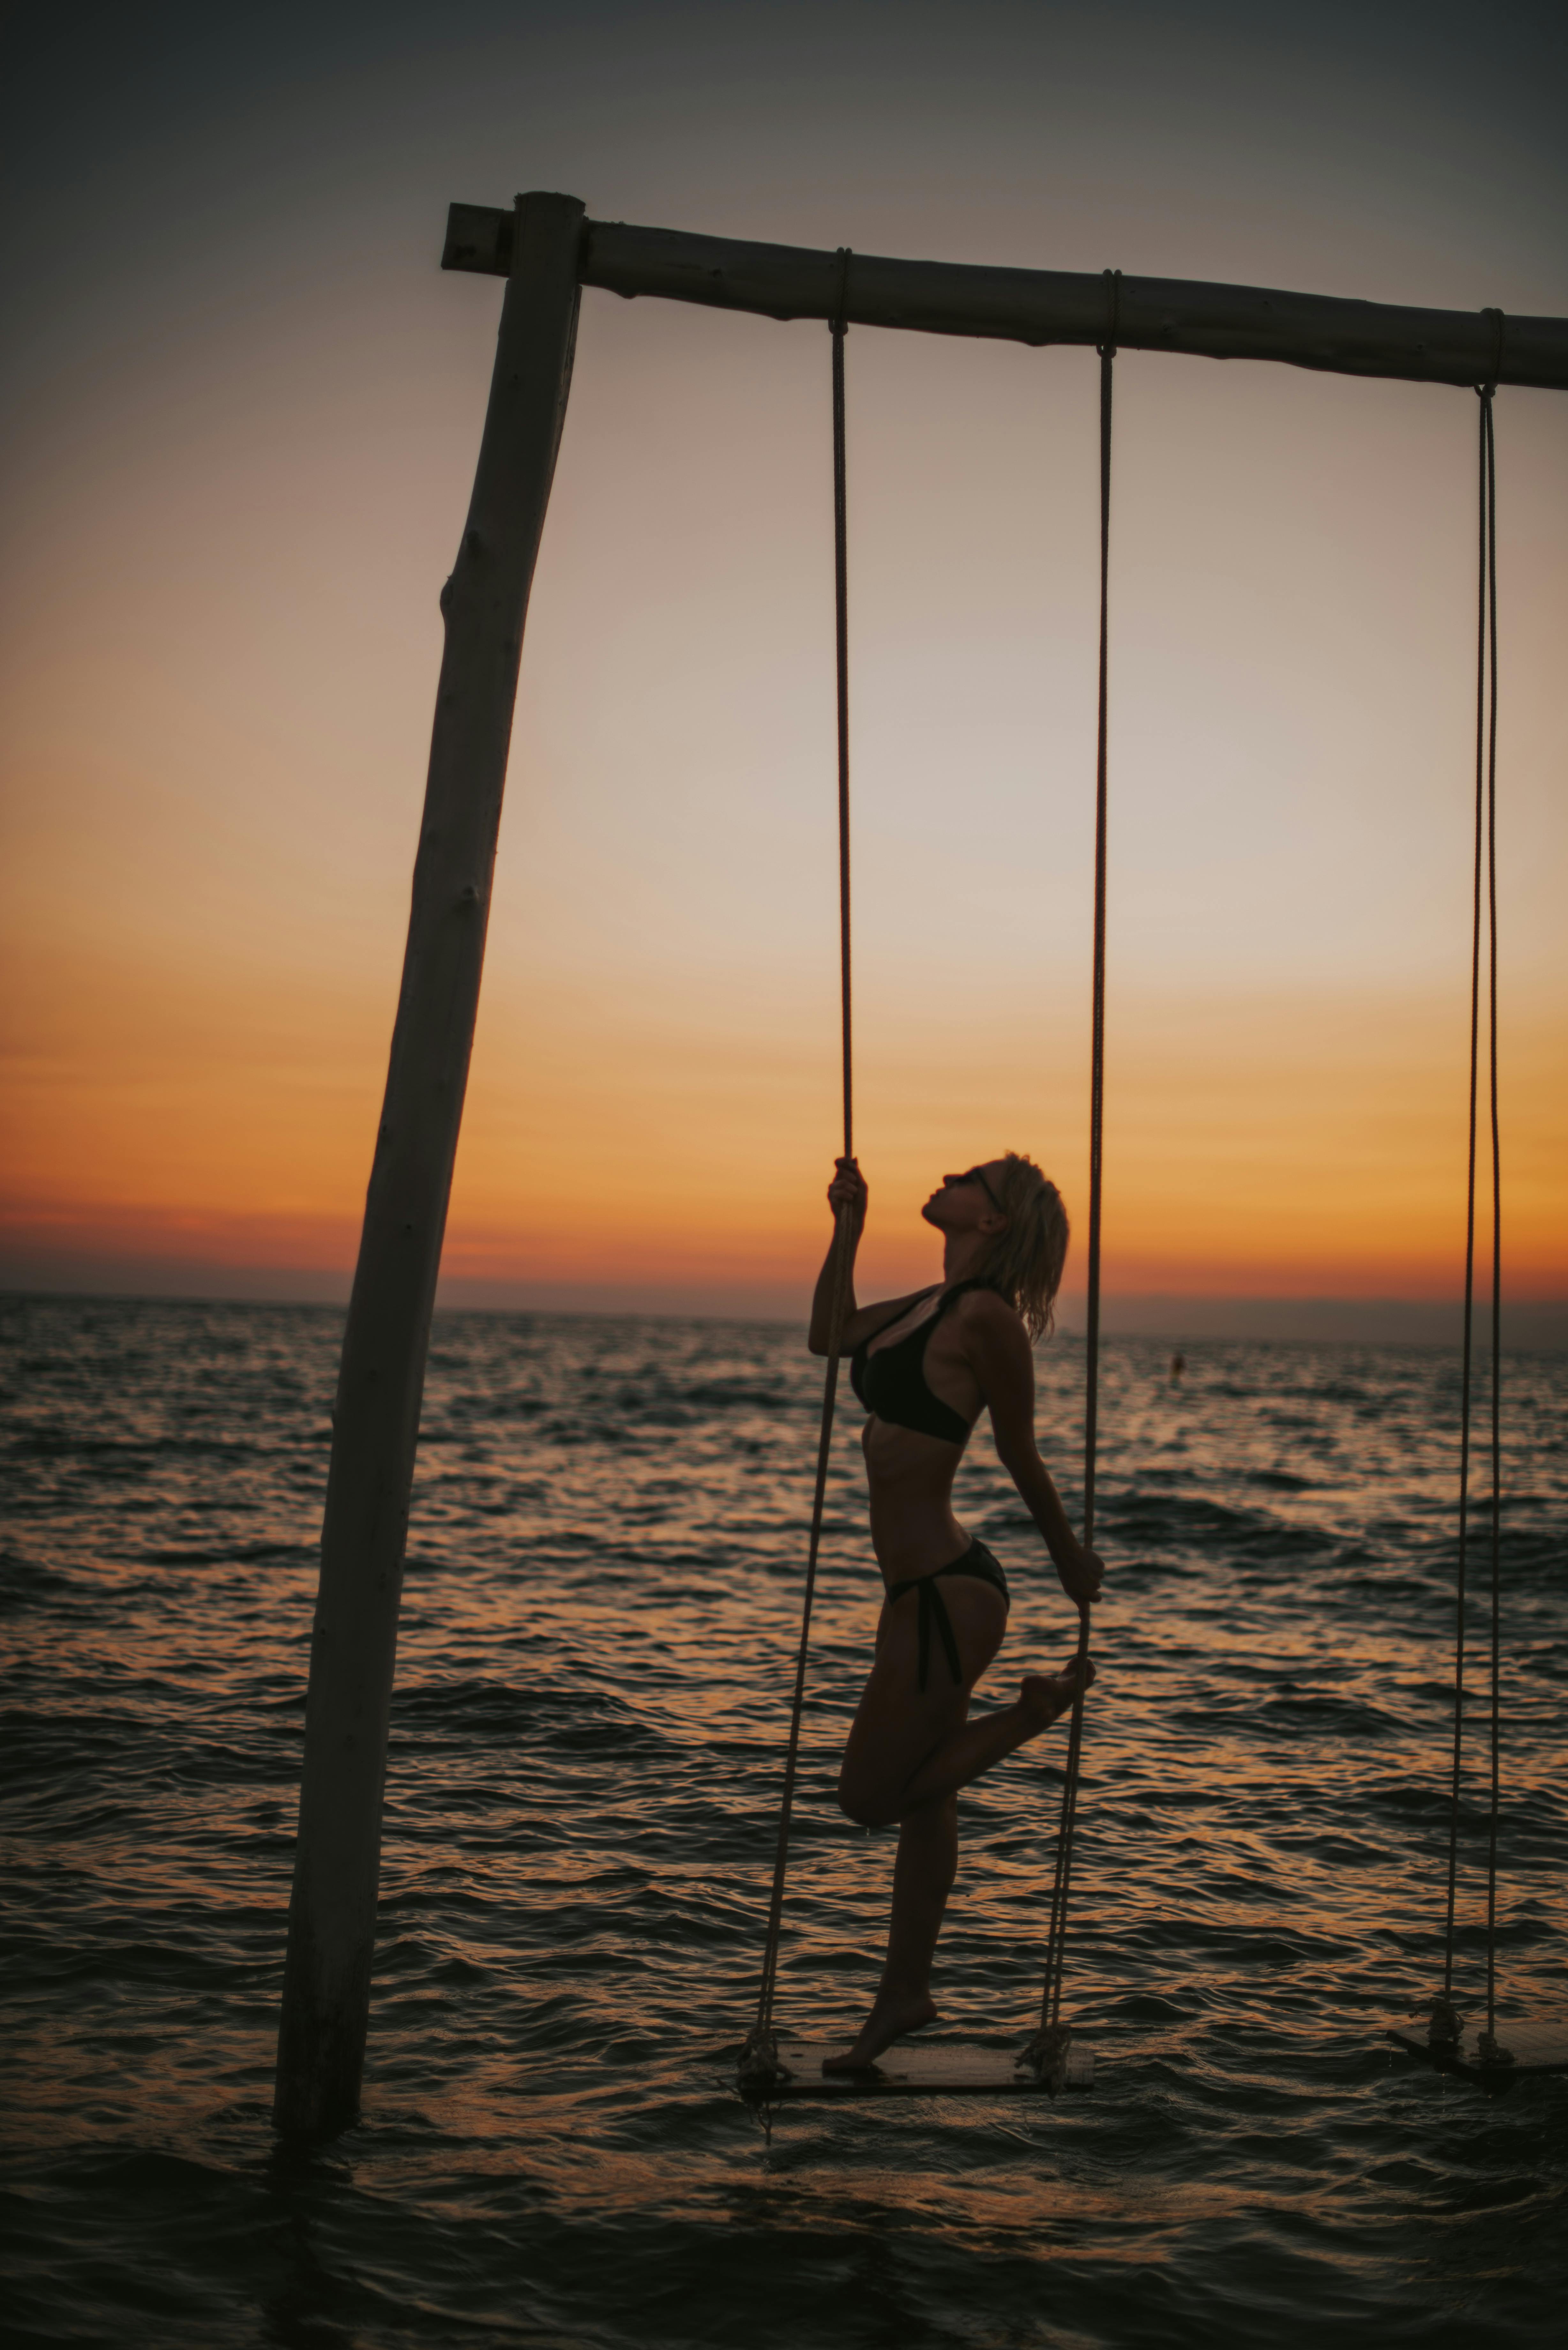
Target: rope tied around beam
x=1047 y=2052
x=1445 y=2017
x=1107 y=349
x=759 y=2064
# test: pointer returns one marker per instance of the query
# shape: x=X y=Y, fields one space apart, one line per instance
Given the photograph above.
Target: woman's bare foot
x=1044 y=1697
x=892 y=2015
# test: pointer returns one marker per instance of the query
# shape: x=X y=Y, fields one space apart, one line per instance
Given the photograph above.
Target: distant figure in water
x=925 y=1367
x=1178 y=1364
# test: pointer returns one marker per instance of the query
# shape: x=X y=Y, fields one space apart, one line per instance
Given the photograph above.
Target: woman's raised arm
x=847 y=1189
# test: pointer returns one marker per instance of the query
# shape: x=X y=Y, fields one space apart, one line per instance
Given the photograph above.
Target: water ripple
x=596 y=1652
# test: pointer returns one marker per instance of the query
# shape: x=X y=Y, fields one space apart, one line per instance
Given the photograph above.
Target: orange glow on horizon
x=1276 y=1146
x=214 y=758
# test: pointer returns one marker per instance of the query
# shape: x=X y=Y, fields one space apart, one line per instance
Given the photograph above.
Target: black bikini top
x=892 y=1382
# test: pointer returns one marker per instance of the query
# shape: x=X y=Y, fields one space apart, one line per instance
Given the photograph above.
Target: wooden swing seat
x=942 y=2068
x=1535 y=2044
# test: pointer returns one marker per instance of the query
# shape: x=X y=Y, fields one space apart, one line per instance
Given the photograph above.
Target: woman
x=924 y=1366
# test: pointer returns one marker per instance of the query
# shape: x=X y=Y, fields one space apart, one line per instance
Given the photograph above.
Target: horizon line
x=1532 y=1325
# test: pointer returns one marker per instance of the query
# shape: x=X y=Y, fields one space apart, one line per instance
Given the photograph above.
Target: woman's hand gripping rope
x=848 y=1190
x=1081 y=1579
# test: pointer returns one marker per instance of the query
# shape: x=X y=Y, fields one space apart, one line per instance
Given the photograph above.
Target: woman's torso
x=909 y=1471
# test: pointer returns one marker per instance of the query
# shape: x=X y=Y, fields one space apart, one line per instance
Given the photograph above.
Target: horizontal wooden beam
x=1046 y=305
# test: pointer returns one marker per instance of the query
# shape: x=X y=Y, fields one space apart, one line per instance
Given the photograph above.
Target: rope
x=841 y=632
x=759 y=2058
x=1489 y=471
x=1445 y=2028
x=1048 y=2050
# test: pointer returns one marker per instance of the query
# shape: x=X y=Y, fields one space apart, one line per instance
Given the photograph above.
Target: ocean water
x=597 y=1628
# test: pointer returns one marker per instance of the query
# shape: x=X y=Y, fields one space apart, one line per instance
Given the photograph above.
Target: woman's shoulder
x=984 y=1310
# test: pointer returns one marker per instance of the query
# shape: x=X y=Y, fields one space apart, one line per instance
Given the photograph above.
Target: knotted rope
x=759 y=2058
x=1047 y=2052
x=1446 y=2021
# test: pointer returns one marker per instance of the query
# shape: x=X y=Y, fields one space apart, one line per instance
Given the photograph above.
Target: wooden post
x=332 y=1913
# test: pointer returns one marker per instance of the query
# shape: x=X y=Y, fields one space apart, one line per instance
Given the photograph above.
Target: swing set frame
x=547 y=250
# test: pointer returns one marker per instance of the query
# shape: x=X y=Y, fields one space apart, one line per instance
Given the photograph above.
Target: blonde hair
x=1024 y=1264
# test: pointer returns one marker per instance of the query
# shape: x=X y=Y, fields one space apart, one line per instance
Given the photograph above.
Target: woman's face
x=968 y=1202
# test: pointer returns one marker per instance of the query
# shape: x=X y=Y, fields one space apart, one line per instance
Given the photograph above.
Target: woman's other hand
x=1082 y=1577
x=847 y=1189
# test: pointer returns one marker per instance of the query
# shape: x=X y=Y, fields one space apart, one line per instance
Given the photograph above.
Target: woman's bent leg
x=903 y=1756
x=973 y=1748
x=923 y=1876
x=898 y=1726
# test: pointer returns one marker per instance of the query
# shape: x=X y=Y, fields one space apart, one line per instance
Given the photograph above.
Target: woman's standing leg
x=923 y=1875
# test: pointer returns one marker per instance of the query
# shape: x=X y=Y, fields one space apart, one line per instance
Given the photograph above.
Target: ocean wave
x=596 y=1653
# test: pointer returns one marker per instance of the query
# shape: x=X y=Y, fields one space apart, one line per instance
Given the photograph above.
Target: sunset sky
x=242 y=406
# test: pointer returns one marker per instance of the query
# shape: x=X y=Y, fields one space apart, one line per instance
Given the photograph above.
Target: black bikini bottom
x=978 y=1561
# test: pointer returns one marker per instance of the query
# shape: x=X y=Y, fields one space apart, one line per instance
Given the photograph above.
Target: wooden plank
x=1536 y=2044
x=1047 y=306
x=332 y=1913
x=934 y=2068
